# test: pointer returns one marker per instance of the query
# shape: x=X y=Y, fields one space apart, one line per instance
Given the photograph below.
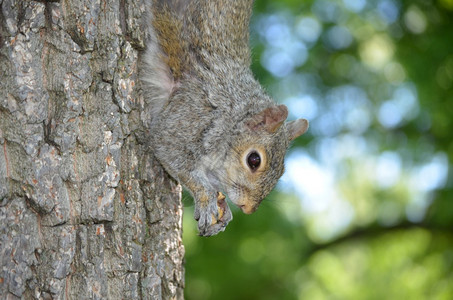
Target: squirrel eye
x=253 y=160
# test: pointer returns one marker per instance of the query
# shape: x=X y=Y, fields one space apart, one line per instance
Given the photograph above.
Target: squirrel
x=213 y=127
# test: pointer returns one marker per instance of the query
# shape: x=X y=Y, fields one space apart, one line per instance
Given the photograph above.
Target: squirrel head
x=256 y=162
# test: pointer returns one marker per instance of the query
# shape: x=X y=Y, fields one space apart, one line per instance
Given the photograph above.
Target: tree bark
x=85 y=210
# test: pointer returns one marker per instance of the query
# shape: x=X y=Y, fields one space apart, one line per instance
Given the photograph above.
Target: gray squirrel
x=213 y=127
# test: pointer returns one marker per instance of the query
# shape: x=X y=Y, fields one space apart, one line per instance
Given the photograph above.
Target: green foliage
x=365 y=208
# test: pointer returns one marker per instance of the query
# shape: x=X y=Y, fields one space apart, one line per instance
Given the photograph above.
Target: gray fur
x=200 y=126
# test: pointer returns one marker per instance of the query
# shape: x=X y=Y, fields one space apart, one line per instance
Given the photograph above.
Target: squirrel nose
x=247 y=209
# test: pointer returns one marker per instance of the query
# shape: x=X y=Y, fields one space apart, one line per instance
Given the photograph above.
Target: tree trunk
x=85 y=210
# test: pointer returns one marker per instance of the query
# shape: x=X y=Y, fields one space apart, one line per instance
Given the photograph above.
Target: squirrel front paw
x=213 y=217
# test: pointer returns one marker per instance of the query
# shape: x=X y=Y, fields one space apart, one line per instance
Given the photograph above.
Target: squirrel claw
x=220 y=197
x=221 y=203
x=213 y=229
x=213 y=218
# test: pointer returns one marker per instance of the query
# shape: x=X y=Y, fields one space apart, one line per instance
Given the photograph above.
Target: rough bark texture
x=85 y=210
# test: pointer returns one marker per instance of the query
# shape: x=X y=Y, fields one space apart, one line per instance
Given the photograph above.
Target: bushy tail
x=156 y=74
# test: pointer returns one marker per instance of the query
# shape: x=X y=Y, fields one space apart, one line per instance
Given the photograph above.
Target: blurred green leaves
x=365 y=208
x=399 y=264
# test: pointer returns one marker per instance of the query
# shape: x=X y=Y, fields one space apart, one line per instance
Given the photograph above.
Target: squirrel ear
x=270 y=119
x=296 y=128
